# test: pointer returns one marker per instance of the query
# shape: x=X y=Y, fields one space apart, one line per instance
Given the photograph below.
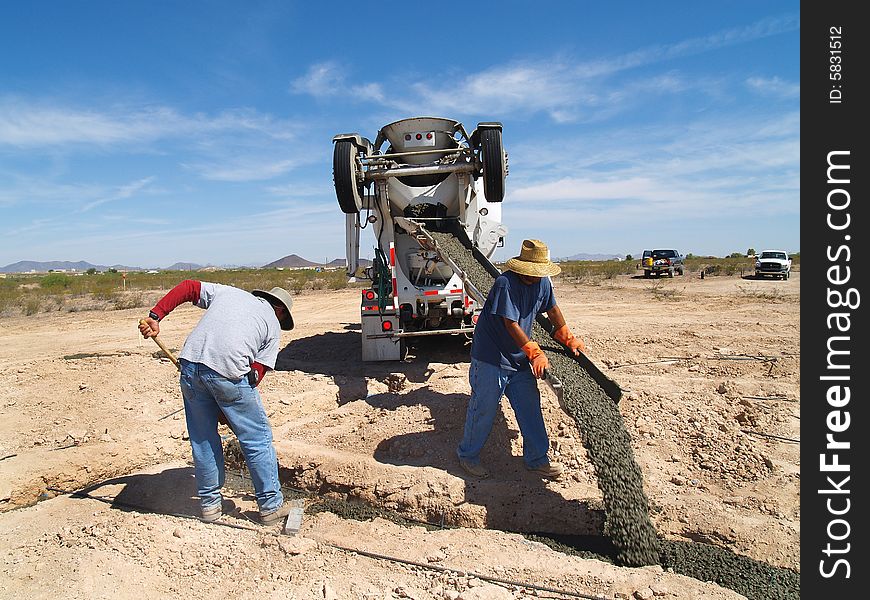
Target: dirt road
x=710 y=375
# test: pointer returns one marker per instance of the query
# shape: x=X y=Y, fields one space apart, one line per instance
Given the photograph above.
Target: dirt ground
x=711 y=388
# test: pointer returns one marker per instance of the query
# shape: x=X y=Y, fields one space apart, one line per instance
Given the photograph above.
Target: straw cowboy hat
x=534 y=260
x=279 y=296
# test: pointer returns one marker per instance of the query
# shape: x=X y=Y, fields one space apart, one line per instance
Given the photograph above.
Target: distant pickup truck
x=659 y=262
x=773 y=263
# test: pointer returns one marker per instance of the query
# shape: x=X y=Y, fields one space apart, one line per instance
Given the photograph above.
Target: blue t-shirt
x=511 y=299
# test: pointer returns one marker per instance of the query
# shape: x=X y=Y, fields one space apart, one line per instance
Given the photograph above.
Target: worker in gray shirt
x=222 y=362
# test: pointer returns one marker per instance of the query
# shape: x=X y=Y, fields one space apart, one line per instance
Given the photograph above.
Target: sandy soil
x=710 y=373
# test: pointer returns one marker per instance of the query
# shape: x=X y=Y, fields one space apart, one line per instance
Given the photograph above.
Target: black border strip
x=833 y=228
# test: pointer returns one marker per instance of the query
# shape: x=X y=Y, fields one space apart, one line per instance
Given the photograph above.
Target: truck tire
x=345 y=169
x=494 y=168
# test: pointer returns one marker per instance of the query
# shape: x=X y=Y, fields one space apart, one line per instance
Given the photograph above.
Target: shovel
x=164 y=348
x=556 y=385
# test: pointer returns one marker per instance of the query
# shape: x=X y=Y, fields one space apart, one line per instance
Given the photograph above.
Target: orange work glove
x=537 y=358
x=564 y=336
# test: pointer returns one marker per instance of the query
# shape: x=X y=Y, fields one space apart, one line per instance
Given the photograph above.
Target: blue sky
x=145 y=133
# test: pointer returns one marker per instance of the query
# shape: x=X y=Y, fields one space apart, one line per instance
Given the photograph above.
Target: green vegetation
x=737 y=264
x=30 y=294
x=597 y=269
x=55 y=281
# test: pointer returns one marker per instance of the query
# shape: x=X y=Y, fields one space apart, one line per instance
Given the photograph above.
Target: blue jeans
x=206 y=394
x=488 y=384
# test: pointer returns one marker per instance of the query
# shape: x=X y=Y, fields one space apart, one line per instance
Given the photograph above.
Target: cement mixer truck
x=421 y=175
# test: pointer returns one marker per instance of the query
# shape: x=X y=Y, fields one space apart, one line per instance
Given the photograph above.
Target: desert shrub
x=107 y=295
x=31 y=306
x=662 y=292
x=603 y=269
x=130 y=300
x=55 y=281
x=765 y=294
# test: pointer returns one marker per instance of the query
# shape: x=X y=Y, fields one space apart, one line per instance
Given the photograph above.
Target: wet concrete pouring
x=627 y=522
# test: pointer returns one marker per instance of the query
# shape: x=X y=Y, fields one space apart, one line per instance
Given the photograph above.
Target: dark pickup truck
x=659 y=262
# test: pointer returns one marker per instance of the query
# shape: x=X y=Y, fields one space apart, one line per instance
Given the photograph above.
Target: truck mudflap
x=479 y=273
x=378 y=332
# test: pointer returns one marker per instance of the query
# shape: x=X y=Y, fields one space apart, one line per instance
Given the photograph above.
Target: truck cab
x=773 y=263
x=662 y=261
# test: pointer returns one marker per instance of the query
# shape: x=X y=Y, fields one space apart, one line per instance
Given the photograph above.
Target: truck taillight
x=369 y=294
x=386 y=326
x=474 y=318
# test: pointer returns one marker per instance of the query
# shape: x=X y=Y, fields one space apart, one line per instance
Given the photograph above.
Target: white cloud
x=248 y=169
x=24 y=123
x=322 y=79
x=565 y=89
x=774 y=86
x=121 y=193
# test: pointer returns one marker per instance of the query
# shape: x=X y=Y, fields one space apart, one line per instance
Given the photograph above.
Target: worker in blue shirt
x=504 y=360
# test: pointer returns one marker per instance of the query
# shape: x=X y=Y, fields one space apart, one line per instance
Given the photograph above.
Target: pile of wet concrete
x=627 y=522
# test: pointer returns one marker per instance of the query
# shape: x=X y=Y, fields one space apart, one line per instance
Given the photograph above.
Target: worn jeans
x=488 y=384
x=206 y=393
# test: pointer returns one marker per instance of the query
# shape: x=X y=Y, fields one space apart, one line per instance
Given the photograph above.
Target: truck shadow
x=754 y=277
x=338 y=355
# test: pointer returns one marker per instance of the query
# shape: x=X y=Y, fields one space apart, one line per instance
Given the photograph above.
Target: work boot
x=276 y=515
x=212 y=513
x=548 y=470
x=474 y=469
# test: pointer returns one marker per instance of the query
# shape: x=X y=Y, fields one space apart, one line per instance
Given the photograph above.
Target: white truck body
x=428 y=177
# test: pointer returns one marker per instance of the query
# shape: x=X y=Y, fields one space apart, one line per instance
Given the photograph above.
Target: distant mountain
x=292 y=261
x=26 y=266
x=183 y=266
x=342 y=262
x=295 y=261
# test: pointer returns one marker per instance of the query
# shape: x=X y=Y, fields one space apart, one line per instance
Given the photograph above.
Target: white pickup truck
x=774 y=263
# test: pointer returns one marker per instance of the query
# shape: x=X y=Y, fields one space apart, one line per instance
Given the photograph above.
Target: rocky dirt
x=710 y=372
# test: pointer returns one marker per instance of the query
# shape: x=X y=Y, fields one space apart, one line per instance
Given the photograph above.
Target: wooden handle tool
x=164 y=348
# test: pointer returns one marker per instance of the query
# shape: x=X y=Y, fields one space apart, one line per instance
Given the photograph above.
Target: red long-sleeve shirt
x=186 y=291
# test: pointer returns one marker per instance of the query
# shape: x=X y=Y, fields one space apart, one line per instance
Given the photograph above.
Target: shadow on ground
x=171 y=491
x=339 y=355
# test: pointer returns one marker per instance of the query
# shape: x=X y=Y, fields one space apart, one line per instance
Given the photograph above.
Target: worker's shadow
x=514 y=499
x=339 y=355
x=170 y=492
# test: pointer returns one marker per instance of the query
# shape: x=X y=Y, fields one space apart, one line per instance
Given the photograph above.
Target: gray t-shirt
x=237 y=329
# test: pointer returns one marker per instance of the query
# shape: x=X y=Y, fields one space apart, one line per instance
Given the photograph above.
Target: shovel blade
x=556 y=385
